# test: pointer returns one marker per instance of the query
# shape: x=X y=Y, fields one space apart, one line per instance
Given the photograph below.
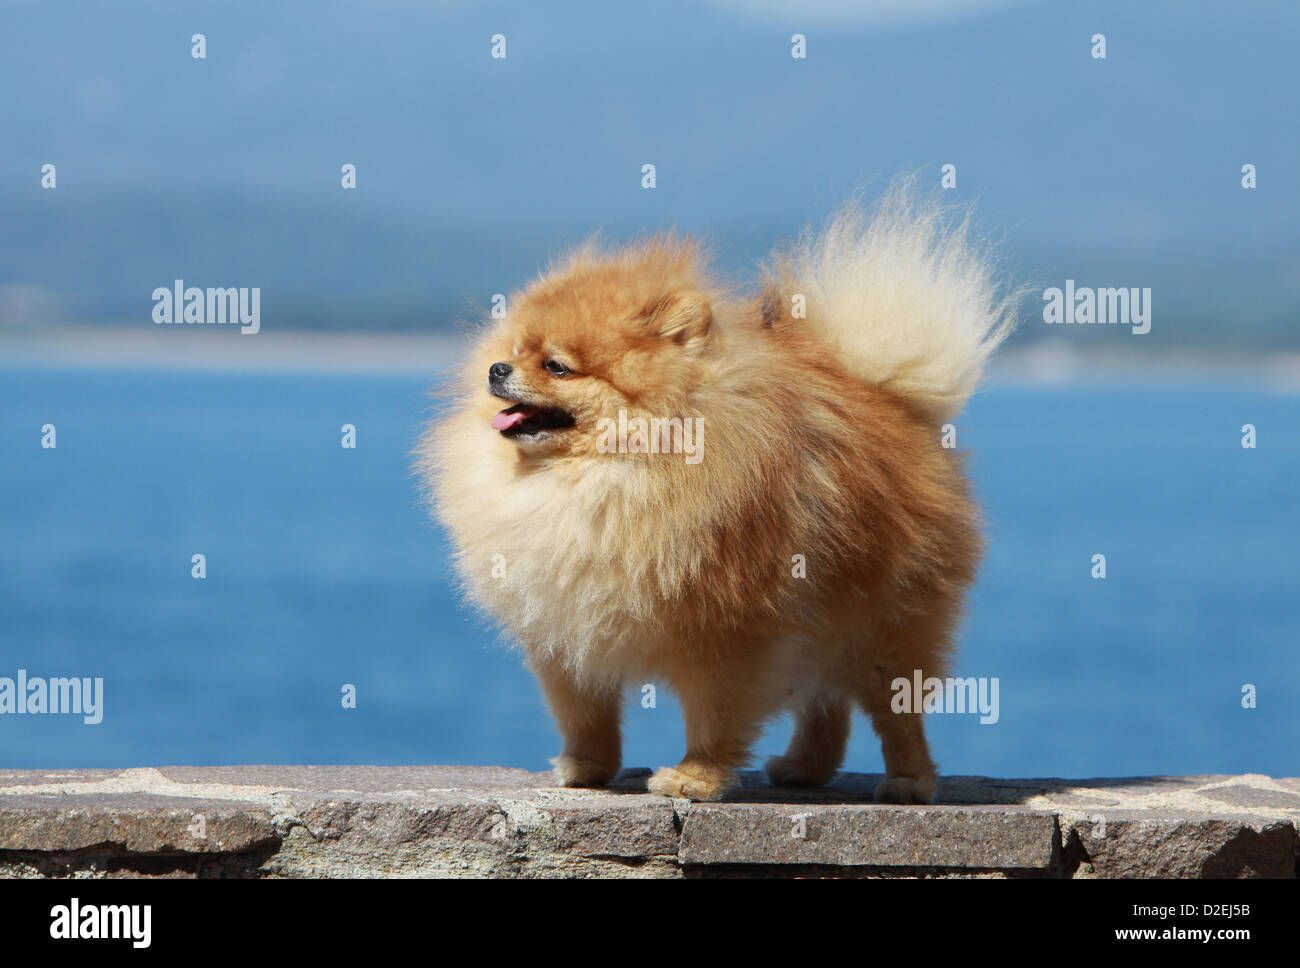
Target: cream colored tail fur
x=902 y=294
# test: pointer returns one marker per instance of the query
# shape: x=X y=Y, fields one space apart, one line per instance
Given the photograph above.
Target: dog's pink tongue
x=508 y=418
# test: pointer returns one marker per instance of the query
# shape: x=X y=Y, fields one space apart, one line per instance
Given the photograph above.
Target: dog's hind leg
x=821 y=734
x=910 y=773
x=919 y=644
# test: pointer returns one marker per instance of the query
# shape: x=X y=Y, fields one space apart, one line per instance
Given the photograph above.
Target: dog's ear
x=683 y=317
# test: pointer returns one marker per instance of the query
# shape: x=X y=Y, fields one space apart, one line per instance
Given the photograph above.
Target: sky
x=473 y=171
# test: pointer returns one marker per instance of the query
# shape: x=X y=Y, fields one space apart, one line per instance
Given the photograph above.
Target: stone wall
x=365 y=821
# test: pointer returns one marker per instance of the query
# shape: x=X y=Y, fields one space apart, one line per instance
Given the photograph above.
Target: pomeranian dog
x=651 y=476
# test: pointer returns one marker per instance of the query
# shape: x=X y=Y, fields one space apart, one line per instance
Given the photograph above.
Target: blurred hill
x=472 y=172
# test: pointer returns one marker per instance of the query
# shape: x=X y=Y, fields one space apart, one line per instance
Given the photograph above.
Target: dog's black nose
x=499 y=371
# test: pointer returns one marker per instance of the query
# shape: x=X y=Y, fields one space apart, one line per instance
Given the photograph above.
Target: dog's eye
x=556 y=368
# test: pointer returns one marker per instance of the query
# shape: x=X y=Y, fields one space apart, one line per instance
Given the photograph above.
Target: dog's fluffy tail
x=901 y=293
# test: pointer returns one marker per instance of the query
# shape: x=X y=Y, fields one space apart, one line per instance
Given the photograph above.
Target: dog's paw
x=786 y=772
x=906 y=789
x=692 y=781
x=573 y=771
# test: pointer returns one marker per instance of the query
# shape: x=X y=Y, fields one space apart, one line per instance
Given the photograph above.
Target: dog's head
x=627 y=331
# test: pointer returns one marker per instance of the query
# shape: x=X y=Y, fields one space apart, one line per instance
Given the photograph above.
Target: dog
x=817 y=548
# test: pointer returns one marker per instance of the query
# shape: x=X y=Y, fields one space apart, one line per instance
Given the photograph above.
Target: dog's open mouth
x=523 y=419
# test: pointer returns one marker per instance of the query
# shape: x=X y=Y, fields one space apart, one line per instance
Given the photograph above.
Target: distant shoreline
x=227 y=349
x=300 y=351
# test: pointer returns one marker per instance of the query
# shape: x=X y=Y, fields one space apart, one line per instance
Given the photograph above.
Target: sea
x=327 y=628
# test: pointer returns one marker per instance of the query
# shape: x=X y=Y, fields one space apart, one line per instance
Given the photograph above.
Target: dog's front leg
x=588 y=718
x=724 y=712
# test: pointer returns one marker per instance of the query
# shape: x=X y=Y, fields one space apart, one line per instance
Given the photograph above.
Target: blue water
x=323 y=569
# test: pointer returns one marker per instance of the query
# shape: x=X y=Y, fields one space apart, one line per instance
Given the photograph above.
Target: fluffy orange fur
x=611 y=568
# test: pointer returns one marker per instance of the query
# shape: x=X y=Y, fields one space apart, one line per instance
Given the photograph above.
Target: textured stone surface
x=134 y=822
x=629 y=827
x=310 y=821
x=1151 y=844
x=868 y=835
